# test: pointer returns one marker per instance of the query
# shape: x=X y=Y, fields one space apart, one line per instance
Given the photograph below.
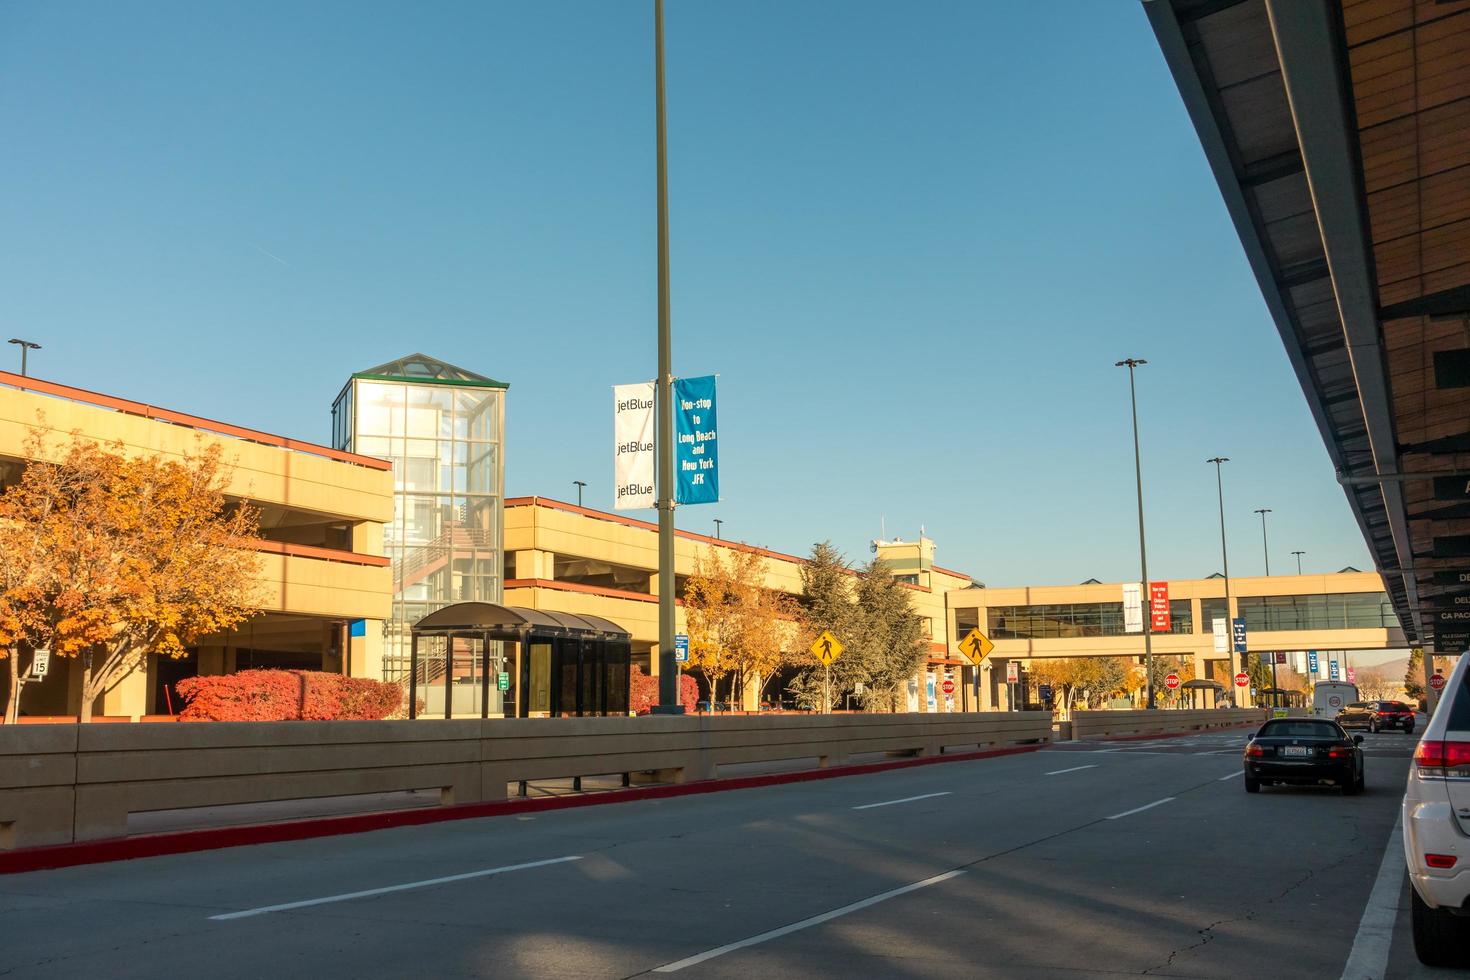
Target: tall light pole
x=1148 y=649
x=579 y=485
x=25 y=345
x=668 y=667
x=718 y=522
x=1298 y=560
x=1265 y=551
x=1225 y=562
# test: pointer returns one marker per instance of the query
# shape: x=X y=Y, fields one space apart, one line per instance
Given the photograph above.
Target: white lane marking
x=286 y=906
x=1140 y=809
x=1369 y=956
x=1231 y=776
x=906 y=799
x=1058 y=772
x=815 y=920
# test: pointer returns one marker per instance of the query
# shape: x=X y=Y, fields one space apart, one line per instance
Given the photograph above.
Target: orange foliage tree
x=112 y=557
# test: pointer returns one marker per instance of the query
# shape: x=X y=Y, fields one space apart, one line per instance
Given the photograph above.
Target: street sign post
x=1172 y=681
x=827 y=648
x=681 y=648
x=1043 y=691
x=948 y=686
x=976 y=646
x=1242 y=679
x=1013 y=675
x=502 y=681
x=40 y=662
x=1437 y=682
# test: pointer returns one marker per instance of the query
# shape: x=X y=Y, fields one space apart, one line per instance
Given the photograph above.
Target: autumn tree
x=1089 y=681
x=737 y=626
x=1414 y=675
x=1374 y=686
x=129 y=555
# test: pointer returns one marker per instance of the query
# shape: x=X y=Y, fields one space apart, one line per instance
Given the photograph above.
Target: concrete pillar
x=367 y=538
x=365 y=648
x=128 y=697
x=531 y=563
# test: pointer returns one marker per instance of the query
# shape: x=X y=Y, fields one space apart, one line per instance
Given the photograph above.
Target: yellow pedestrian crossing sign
x=827 y=647
x=977 y=646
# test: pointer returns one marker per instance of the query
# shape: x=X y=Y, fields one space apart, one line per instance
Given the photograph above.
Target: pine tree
x=890 y=640
x=826 y=605
x=1414 y=675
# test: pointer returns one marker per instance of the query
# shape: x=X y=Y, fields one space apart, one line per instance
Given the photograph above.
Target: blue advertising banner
x=1238 y=628
x=1312 y=661
x=697 y=461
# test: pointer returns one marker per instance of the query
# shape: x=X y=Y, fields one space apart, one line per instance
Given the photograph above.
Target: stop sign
x=948 y=686
x=1437 y=682
x=1242 y=679
x=1172 y=681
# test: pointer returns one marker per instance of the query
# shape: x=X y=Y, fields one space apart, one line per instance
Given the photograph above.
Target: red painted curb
x=186 y=841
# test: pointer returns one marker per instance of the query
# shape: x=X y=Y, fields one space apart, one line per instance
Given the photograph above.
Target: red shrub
x=287 y=695
x=643 y=692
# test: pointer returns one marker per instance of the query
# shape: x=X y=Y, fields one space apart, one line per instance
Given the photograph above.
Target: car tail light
x=1440 y=860
x=1255 y=750
x=1437 y=760
x=1338 y=752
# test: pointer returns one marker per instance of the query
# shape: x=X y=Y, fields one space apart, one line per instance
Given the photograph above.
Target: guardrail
x=62 y=783
x=1101 y=724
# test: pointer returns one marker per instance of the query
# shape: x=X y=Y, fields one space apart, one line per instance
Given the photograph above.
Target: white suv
x=1437 y=828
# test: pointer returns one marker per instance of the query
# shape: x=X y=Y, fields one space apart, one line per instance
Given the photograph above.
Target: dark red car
x=1377 y=716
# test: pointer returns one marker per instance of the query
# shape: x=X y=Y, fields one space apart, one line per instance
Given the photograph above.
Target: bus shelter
x=1200 y=691
x=480 y=659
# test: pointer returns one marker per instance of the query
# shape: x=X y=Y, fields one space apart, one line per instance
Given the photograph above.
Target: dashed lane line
x=906 y=799
x=1058 y=772
x=1140 y=809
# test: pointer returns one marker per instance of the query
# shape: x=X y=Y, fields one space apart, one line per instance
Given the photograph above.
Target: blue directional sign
x=1238 y=630
x=1311 y=661
x=681 y=648
x=1332 y=674
x=698 y=457
x=1043 y=691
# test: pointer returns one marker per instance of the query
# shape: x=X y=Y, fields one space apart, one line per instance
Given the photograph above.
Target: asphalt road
x=1081 y=860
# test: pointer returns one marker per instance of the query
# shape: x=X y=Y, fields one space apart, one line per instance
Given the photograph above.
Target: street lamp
x=1265 y=552
x=1225 y=558
x=718 y=522
x=1132 y=363
x=1298 y=560
x=25 y=345
x=579 y=484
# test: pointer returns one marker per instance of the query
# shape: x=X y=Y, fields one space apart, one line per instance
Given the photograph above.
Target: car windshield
x=1300 y=729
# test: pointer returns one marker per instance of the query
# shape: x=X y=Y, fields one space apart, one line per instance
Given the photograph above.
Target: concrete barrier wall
x=1099 y=724
x=61 y=783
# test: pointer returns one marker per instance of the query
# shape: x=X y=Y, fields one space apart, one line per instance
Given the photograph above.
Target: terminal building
x=1346 y=611
x=327 y=581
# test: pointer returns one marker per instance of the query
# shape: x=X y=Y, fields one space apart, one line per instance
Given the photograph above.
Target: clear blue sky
x=912 y=239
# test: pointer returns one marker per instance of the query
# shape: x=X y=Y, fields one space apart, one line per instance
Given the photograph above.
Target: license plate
x=1296 y=750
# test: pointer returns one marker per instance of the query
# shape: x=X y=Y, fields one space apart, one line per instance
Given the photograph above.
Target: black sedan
x=1377 y=715
x=1304 y=752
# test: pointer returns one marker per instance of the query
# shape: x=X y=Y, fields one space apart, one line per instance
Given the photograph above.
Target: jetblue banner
x=633 y=446
x=697 y=462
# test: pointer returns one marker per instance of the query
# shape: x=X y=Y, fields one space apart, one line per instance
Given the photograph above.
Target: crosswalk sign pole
x=827 y=691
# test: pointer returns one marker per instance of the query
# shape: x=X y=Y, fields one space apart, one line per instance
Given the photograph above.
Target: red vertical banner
x=1158 y=607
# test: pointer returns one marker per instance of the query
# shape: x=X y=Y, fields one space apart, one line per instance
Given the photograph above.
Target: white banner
x=633 y=446
x=1221 y=627
x=1132 y=607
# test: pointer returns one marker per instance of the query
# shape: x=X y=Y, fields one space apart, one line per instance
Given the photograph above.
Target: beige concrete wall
x=109 y=771
x=311 y=586
x=267 y=474
x=1093 y=724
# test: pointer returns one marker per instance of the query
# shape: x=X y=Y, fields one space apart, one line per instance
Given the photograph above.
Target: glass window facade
x=1211 y=610
x=1351 y=610
x=445 y=443
x=1056 y=621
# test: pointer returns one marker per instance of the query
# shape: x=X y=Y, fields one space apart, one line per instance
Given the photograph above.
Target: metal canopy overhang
x=1275 y=90
x=512 y=621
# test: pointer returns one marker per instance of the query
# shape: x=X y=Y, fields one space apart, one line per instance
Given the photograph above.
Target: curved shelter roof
x=472 y=617
x=1199 y=685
